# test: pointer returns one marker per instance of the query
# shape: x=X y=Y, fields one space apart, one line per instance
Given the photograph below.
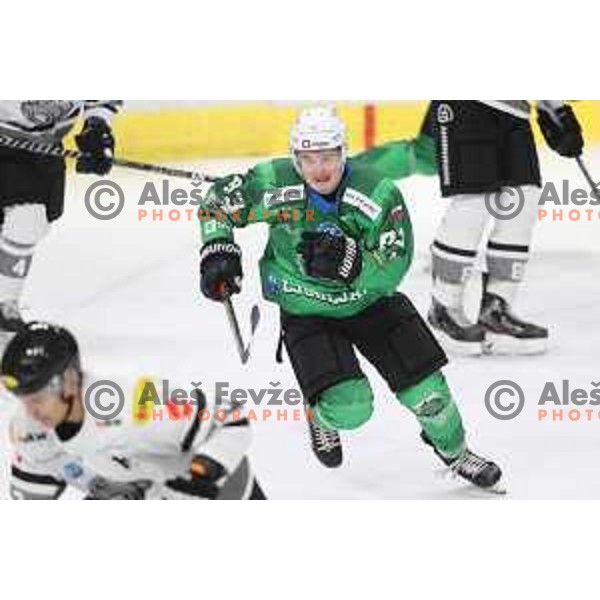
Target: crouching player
x=193 y=450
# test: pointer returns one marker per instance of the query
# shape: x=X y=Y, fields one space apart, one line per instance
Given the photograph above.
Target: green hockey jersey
x=368 y=208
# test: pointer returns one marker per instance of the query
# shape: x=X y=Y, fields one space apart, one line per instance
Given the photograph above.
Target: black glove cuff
x=96 y=123
x=211 y=249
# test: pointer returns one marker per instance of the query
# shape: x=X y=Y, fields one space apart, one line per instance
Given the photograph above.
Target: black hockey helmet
x=35 y=355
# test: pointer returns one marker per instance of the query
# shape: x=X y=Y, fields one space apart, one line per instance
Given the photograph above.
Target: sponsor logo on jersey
x=32 y=437
x=109 y=423
x=331 y=229
x=73 y=470
x=445 y=114
x=284 y=195
x=272 y=285
x=362 y=203
x=329 y=298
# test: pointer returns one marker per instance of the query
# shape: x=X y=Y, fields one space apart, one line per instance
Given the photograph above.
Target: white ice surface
x=129 y=290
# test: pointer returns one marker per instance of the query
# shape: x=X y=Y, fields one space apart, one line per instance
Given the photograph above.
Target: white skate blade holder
x=456 y=347
x=507 y=345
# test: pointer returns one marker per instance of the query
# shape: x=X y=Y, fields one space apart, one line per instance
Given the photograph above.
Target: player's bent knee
x=429 y=398
x=25 y=224
x=346 y=405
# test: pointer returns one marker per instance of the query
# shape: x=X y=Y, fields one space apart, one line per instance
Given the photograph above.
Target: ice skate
x=326 y=444
x=471 y=467
x=507 y=334
x=454 y=331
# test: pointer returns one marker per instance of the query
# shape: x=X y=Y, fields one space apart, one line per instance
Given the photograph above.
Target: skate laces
x=326 y=440
x=468 y=463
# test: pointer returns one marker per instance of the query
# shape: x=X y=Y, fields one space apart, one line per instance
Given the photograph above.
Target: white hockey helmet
x=317 y=128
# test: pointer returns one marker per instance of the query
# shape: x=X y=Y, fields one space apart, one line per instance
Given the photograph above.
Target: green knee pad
x=346 y=405
x=431 y=402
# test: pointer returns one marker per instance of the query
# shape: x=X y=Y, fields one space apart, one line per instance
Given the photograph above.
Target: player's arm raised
x=227 y=205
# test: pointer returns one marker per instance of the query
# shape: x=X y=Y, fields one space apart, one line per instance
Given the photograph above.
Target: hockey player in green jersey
x=340 y=243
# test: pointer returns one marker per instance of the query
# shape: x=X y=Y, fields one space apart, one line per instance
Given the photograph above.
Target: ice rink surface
x=128 y=288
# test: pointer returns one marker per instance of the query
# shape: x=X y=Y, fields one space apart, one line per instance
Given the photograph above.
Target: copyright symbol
x=498 y=405
x=100 y=207
x=99 y=407
x=505 y=204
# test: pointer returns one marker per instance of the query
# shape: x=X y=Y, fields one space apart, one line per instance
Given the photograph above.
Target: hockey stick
x=49 y=150
x=588 y=177
x=243 y=349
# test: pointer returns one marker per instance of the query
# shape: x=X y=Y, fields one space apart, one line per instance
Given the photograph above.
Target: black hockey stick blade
x=254 y=321
x=254 y=318
x=595 y=186
x=243 y=349
x=235 y=328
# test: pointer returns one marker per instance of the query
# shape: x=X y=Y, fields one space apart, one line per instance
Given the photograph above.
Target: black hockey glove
x=104 y=489
x=330 y=256
x=220 y=269
x=561 y=130
x=204 y=486
x=97 y=144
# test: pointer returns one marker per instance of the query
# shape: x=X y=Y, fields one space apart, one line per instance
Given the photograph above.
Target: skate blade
x=447 y=474
x=506 y=345
x=497 y=489
x=458 y=348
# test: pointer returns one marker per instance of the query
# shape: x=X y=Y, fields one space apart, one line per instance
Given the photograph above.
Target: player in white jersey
x=184 y=446
x=488 y=164
x=32 y=186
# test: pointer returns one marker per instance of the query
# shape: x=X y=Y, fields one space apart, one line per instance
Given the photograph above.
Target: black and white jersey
x=155 y=444
x=520 y=108
x=50 y=120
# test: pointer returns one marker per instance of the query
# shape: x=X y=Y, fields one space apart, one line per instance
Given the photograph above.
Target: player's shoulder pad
x=279 y=172
x=371 y=192
x=23 y=429
x=369 y=180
